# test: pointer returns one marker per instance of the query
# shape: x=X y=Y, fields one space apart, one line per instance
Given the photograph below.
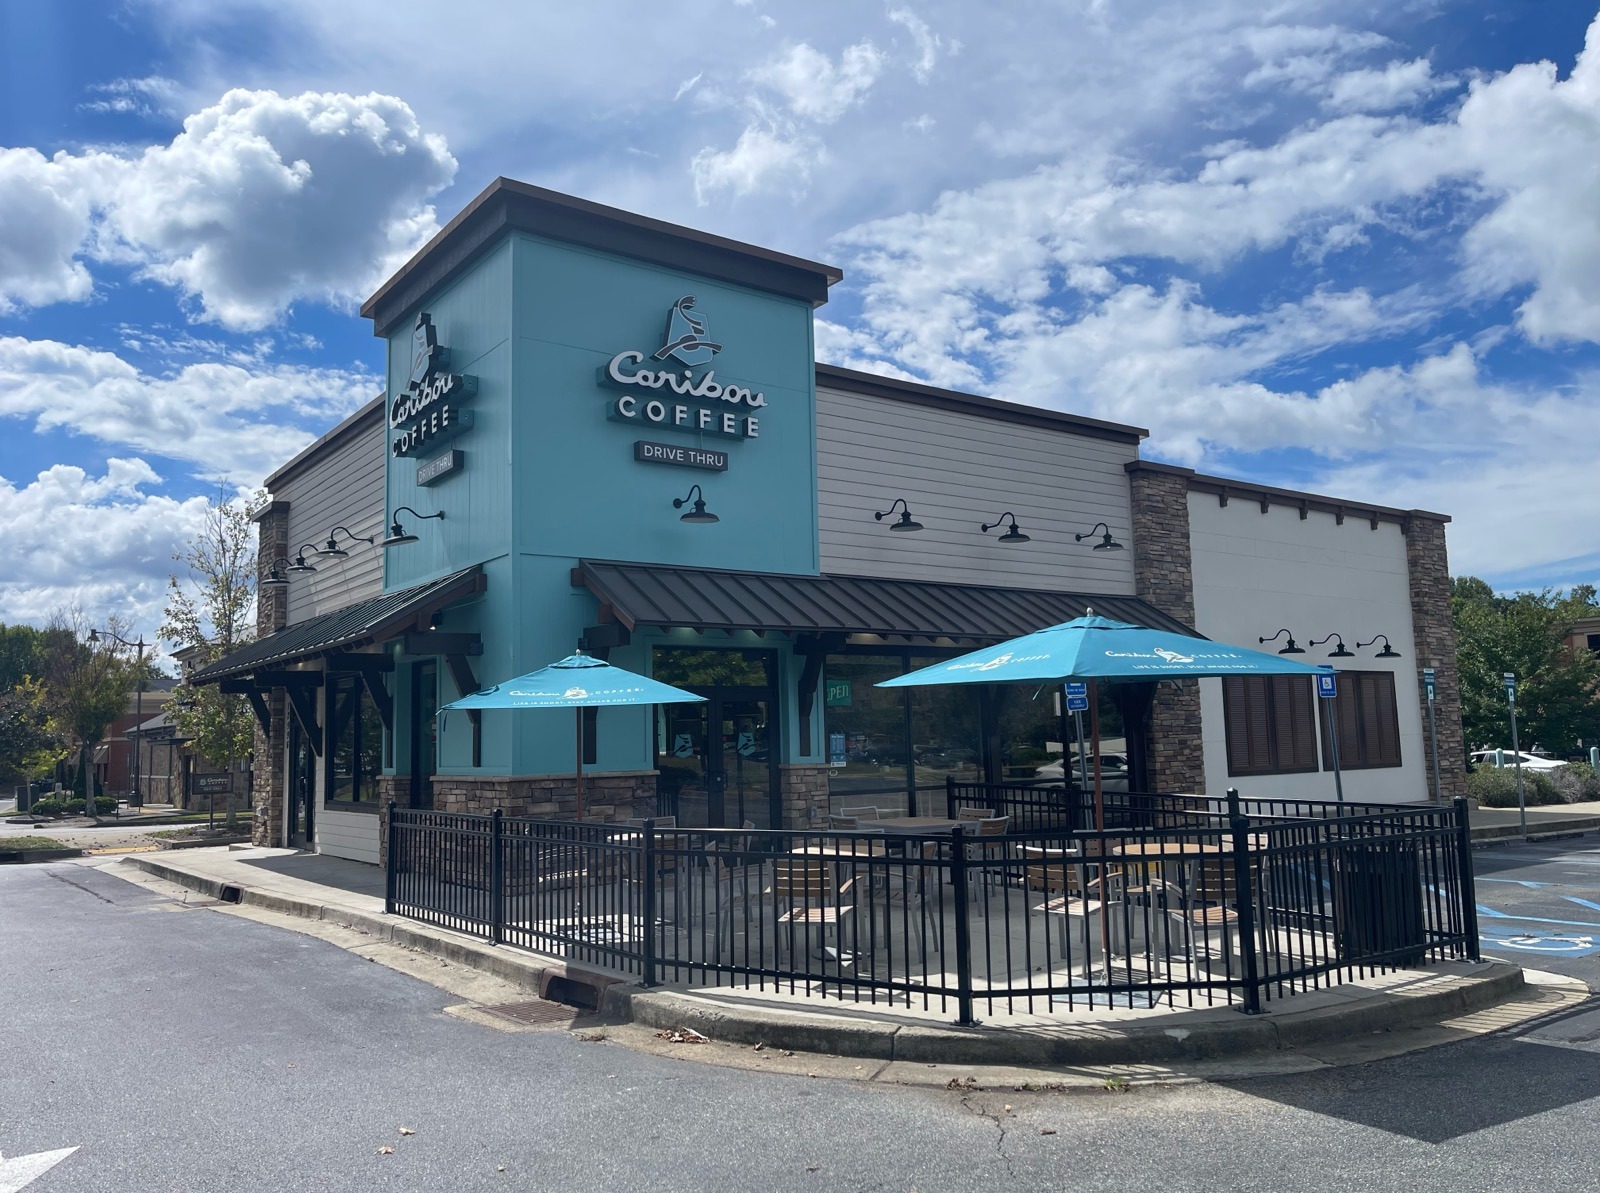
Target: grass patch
x=7 y=844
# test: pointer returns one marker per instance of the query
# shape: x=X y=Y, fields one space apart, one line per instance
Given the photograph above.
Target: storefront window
x=355 y=731
x=1030 y=725
x=866 y=746
x=946 y=734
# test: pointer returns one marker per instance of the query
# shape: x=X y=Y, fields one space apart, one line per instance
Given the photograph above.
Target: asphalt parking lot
x=1539 y=904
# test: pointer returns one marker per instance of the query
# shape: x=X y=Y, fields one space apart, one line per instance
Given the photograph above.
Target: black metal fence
x=1203 y=909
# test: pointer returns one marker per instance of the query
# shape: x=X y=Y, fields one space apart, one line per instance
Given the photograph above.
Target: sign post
x=1431 y=689
x=1516 y=751
x=1328 y=689
x=1077 y=701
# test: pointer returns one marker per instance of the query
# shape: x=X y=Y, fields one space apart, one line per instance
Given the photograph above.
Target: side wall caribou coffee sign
x=660 y=395
x=428 y=412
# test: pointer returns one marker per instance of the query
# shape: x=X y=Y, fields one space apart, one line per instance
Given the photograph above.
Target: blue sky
x=1350 y=247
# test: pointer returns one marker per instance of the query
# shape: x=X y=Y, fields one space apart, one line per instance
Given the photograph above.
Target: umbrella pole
x=577 y=799
x=1100 y=827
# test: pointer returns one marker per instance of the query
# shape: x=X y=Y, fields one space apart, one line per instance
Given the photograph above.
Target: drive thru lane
x=1539 y=904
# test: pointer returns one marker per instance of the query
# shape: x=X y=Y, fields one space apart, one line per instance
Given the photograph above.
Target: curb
x=1537 y=830
x=844 y=1035
x=22 y=857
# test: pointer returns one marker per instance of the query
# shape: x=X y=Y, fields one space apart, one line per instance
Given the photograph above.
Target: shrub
x=104 y=805
x=1496 y=787
x=1577 y=782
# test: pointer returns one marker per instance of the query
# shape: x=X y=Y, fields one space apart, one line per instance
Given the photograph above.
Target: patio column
x=1163 y=575
x=1434 y=635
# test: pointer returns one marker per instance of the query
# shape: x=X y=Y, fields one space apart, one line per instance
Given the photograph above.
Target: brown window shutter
x=1297 y=750
x=1247 y=718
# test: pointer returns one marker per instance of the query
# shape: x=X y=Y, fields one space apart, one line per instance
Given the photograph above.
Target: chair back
x=801 y=879
x=974 y=813
x=994 y=826
x=868 y=812
x=844 y=822
x=661 y=821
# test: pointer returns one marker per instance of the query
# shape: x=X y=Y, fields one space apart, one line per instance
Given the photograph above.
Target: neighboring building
x=1585 y=635
x=115 y=771
x=561 y=374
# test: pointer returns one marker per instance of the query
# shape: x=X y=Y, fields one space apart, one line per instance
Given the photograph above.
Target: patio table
x=909 y=826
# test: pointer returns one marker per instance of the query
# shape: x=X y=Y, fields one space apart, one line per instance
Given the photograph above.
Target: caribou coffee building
x=604 y=431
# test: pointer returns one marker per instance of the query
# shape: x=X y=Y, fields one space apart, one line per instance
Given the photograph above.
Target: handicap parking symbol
x=1558 y=944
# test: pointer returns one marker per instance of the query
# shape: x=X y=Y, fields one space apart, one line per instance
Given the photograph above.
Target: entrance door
x=302 y=793
x=718 y=760
x=424 y=732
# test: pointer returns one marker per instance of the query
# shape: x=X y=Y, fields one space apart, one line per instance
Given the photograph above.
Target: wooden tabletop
x=1185 y=848
x=842 y=849
x=913 y=824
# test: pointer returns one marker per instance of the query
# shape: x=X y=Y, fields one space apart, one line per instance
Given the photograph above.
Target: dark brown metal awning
x=355 y=625
x=658 y=596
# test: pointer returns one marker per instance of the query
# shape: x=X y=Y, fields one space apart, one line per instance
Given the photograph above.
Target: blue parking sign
x=1327 y=686
x=1077 y=697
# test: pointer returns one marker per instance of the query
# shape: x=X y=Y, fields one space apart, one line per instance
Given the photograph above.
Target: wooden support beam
x=367 y=664
x=305 y=711
x=601 y=640
x=467 y=683
x=815 y=648
x=287 y=679
x=259 y=706
x=426 y=642
x=373 y=681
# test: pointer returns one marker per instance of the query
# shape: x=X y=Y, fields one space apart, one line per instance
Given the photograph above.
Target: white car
x=1529 y=761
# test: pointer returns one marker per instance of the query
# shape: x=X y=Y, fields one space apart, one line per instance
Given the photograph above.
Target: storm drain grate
x=534 y=1012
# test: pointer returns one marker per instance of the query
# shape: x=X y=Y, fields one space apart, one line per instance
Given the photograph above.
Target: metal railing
x=1229 y=909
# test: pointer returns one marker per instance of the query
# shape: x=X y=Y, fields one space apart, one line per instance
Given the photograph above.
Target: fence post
x=950 y=796
x=1469 y=886
x=497 y=878
x=388 y=863
x=1244 y=899
x=649 y=978
x=958 y=893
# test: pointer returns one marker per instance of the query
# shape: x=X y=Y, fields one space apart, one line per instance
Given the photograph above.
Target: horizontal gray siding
x=957 y=471
x=352 y=835
x=343 y=489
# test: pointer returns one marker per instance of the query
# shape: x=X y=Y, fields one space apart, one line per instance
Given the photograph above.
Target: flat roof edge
x=915 y=392
x=1225 y=487
x=507 y=205
x=307 y=455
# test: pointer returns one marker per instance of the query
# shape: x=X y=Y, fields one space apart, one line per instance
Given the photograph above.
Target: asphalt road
x=192 y=1051
x=1539 y=904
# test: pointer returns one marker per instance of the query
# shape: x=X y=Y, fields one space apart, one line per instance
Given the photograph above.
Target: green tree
x=213 y=611
x=1558 y=689
x=86 y=683
x=30 y=744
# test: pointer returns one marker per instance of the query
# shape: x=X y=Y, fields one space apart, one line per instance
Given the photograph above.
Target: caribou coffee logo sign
x=661 y=389
x=428 y=411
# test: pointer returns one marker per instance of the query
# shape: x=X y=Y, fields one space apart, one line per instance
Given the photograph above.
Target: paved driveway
x=1539 y=904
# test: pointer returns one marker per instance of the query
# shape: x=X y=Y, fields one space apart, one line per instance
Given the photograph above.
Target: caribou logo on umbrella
x=686 y=336
x=1173 y=656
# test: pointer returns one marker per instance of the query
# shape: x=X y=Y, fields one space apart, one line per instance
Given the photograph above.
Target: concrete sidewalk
x=1430 y=1005
x=1492 y=823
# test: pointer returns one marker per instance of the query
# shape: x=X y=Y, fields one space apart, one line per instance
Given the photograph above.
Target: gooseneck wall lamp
x=1388 y=652
x=1339 y=652
x=1292 y=648
x=906 y=522
x=1012 y=535
x=334 y=549
x=299 y=564
x=399 y=534
x=1106 y=543
x=697 y=513
x=275 y=577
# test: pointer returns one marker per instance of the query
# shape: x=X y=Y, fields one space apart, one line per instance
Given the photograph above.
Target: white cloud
x=1397 y=85
x=226 y=420
x=154 y=95
x=928 y=42
x=813 y=87
x=761 y=159
x=261 y=201
x=44 y=220
x=101 y=543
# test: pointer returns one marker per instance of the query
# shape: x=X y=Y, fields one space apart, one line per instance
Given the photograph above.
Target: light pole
x=138 y=711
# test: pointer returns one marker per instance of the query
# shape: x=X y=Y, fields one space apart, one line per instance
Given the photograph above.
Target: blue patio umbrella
x=577 y=682
x=1096 y=648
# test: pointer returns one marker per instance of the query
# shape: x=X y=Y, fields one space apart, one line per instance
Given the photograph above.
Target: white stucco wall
x=1255 y=572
